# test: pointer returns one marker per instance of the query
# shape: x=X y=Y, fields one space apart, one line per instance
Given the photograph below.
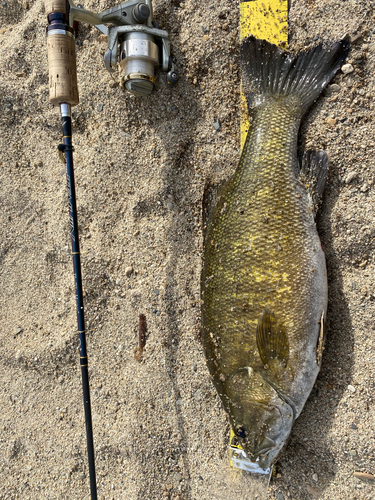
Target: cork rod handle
x=61 y=52
x=52 y=6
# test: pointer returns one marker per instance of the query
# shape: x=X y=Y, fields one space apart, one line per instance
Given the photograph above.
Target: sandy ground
x=141 y=166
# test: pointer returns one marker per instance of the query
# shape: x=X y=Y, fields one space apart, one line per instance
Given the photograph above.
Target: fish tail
x=269 y=70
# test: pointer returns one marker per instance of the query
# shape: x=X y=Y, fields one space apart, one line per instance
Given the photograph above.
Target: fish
x=264 y=288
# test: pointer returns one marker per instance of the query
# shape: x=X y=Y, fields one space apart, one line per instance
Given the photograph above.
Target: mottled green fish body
x=264 y=281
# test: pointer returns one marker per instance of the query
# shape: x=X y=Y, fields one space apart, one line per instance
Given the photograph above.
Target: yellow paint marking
x=267 y=20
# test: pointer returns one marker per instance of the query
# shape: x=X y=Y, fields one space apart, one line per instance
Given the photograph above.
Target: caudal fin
x=267 y=69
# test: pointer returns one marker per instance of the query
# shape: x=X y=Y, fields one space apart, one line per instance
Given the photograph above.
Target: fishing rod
x=67 y=149
x=143 y=48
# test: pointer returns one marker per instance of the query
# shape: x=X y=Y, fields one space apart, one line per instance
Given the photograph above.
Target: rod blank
x=68 y=148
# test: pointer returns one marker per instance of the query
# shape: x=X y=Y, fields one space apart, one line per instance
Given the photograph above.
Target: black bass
x=264 y=280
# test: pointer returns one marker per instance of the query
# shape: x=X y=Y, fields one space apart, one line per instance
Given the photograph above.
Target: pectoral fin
x=272 y=339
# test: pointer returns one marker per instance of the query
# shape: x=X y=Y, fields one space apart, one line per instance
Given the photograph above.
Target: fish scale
x=264 y=281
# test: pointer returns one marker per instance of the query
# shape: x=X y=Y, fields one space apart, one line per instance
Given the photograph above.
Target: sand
x=141 y=166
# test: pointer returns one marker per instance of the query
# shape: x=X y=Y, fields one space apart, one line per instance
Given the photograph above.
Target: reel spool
x=138 y=59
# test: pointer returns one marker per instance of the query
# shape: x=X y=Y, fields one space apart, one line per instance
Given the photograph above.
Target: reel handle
x=61 y=53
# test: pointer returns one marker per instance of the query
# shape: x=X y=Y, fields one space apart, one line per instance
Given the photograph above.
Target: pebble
x=312 y=491
x=353 y=453
x=331 y=121
x=170 y=206
x=347 y=68
x=217 y=124
x=364 y=476
x=18 y=331
x=351 y=388
x=279 y=495
x=100 y=107
x=333 y=88
x=129 y=271
x=197 y=395
x=177 y=477
x=350 y=177
x=315 y=477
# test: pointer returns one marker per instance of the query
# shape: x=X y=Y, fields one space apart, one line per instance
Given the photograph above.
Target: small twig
x=142 y=337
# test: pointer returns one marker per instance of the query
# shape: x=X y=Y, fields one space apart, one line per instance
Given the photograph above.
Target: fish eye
x=241 y=432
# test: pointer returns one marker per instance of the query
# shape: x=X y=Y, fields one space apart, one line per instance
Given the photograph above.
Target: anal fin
x=313 y=172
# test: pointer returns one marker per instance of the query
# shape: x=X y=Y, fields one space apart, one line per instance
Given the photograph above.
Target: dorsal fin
x=211 y=195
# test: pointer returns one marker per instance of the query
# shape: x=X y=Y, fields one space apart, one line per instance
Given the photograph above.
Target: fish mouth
x=261 y=416
x=266 y=447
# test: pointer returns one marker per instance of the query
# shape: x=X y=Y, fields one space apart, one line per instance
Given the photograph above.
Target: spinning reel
x=143 y=46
